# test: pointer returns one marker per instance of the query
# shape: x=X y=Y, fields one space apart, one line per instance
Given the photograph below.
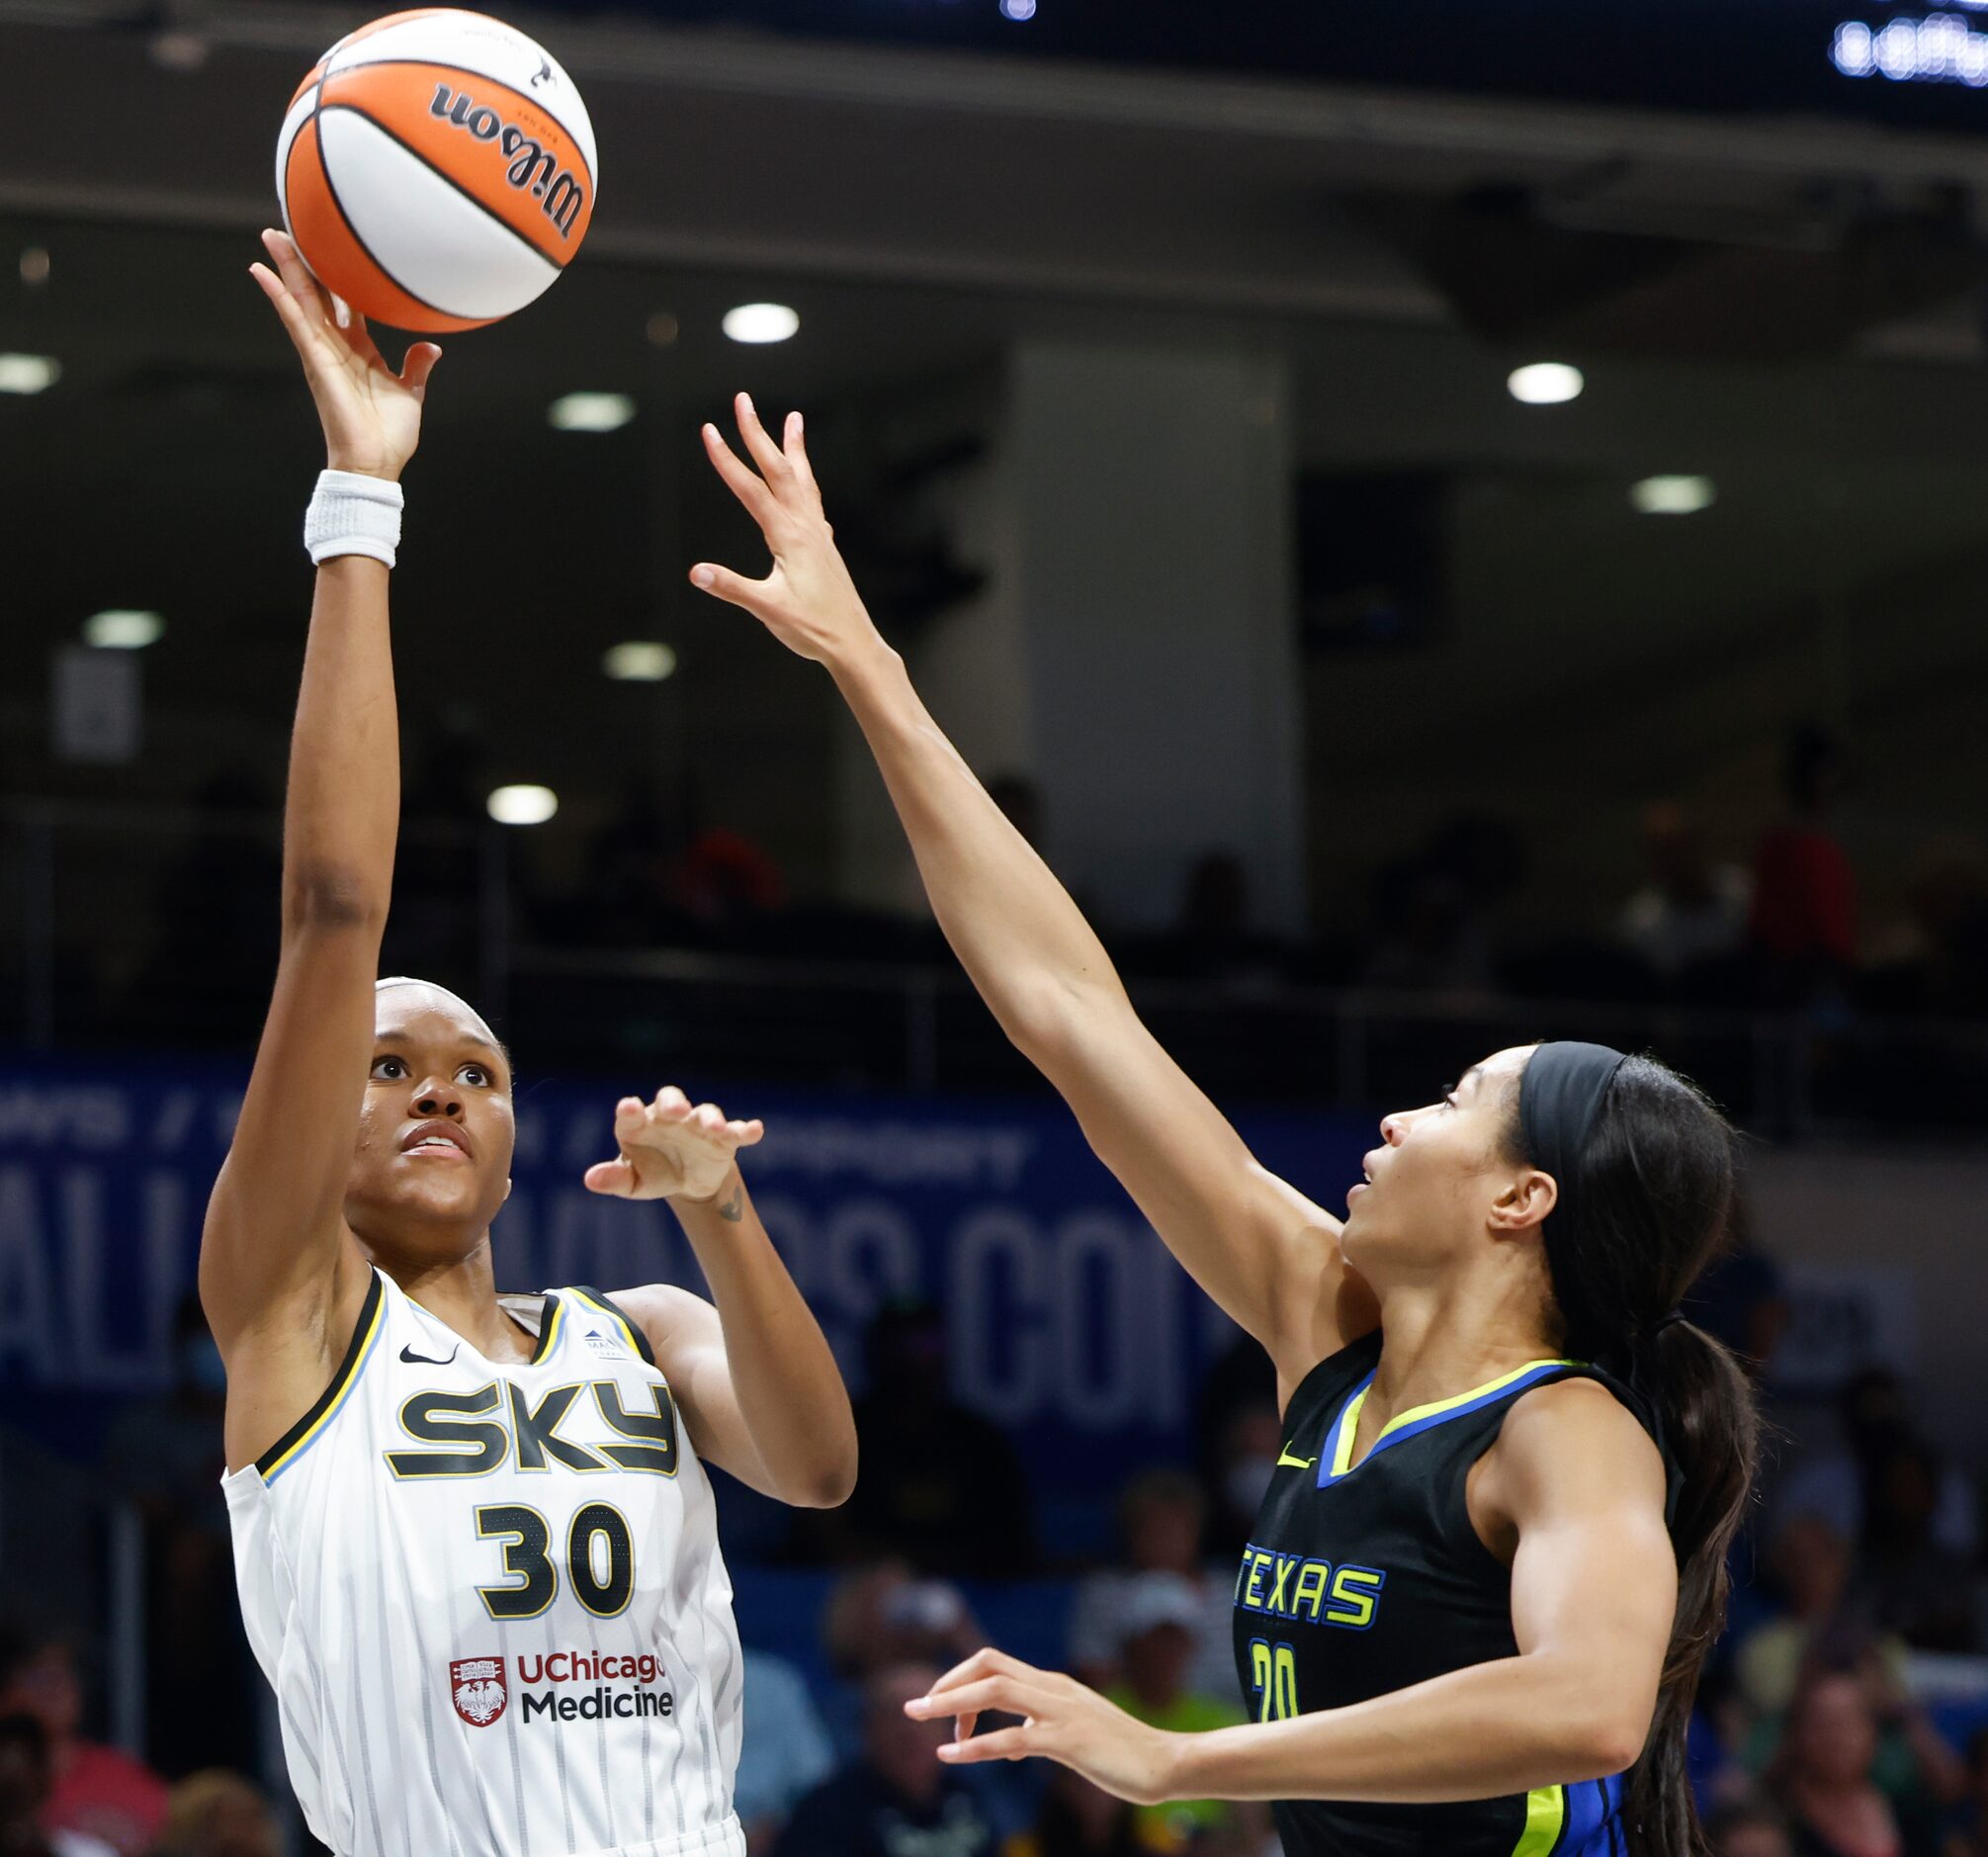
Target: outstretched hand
x=670 y=1149
x=808 y=600
x=1061 y=1721
x=372 y=417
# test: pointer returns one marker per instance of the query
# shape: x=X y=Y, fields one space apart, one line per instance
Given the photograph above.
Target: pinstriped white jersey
x=489 y=1597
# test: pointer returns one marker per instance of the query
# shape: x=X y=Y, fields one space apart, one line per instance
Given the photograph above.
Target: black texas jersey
x=1365 y=1578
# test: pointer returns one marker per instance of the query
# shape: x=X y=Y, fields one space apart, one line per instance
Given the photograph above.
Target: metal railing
x=151 y=925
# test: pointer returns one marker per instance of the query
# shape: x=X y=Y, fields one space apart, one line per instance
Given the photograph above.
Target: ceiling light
x=523 y=805
x=639 y=660
x=661 y=329
x=1674 y=497
x=121 y=629
x=1018 y=9
x=1545 y=383
x=33 y=265
x=590 y=412
x=28 y=374
x=760 y=322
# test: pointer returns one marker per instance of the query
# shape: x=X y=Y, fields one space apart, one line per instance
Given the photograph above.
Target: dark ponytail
x=1656 y=1187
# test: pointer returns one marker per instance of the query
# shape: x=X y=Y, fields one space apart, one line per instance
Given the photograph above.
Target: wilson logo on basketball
x=533 y=169
x=477 y=1688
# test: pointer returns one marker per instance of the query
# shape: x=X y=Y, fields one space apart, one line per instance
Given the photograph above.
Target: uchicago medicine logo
x=478 y=1689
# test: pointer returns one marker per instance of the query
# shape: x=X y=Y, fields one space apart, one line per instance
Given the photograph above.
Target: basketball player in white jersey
x=474 y=1535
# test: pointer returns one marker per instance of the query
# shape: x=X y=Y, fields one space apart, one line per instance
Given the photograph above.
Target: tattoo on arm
x=733 y=1210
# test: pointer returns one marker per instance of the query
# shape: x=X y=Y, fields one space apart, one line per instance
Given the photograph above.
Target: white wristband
x=351 y=513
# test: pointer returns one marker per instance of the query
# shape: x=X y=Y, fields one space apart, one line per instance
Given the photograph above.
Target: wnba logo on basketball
x=477 y=1688
x=533 y=169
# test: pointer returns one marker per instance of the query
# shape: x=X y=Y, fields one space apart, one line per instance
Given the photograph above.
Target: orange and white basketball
x=437 y=169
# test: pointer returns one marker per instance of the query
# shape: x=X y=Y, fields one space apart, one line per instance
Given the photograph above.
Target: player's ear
x=510 y=1183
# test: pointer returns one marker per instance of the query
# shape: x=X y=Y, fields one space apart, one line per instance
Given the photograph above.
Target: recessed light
x=1018 y=9
x=639 y=660
x=1545 y=383
x=762 y=322
x=123 y=630
x=35 y=265
x=1674 y=497
x=523 y=805
x=661 y=329
x=590 y=412
x=28 y=374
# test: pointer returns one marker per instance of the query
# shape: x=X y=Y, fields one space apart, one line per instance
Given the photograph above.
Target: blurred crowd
x=1845 y=1715
x=1777 y=920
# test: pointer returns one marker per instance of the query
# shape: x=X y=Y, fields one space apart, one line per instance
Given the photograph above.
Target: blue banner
x=1069 y=1323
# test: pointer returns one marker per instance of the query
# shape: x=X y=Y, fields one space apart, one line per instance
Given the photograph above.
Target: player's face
x=1431 y=1182
x=433 y=1162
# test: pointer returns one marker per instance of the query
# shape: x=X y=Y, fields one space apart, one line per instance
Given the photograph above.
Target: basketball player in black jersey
x=1489 y=1566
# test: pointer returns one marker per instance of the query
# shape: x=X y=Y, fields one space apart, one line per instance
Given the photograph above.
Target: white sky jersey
x=489 y=1597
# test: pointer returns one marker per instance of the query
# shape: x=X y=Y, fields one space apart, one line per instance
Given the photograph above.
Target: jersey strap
x=1336 y=1458
x=309 y=1428
x=606 y=1305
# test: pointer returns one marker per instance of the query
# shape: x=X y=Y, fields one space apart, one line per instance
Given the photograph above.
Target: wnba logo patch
x=478 y=1689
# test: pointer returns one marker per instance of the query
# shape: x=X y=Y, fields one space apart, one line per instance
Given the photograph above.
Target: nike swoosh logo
x=1285 y=1460
x=410 y=1356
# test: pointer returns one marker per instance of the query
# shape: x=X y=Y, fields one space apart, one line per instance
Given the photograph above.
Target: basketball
x=437 y=169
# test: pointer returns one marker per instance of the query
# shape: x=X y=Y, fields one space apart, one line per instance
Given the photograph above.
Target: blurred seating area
x=1769 y=978
x=1846 y=1712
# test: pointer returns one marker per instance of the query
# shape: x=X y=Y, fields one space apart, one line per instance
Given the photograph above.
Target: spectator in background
x=1245 y=1459
x=1804 y=909
x=899 y=1800
x=786 y=1752
x=883 y=1613
x=23 y=1790
x=1749 y=1829
x=1158 y=1633
x=1937 y=962
x=1740 y=1298
x=1823 y=1776
x=164 y=1456
x=1810 y=1564
x=1872 y=1416
x=1691 y=911
x=940 y=1484
x=1970 y=1838
x=218 y=1813
x=1075 y=1819
x=93 y=1790
x=1161 y=1518
x=1920 y=1587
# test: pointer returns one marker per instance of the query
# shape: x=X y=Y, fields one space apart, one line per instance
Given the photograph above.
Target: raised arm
x=752 y=1376
x=280 y=1277
x=1259 y=1247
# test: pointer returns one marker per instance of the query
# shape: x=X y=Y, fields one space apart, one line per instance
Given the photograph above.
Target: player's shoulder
x=667 y=1315
x=1574 y=1431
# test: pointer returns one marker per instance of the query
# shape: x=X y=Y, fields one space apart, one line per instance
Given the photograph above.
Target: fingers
x=297 y=278
x=760 y=503
x=416 y=369
x=793 y=446
x=987 y=1662
x=672 y=1109
x=734 y=588
x=614 y=1177
x=1001 y=1745
x=288 y=310
x=772 y=462
x=1009 y=1695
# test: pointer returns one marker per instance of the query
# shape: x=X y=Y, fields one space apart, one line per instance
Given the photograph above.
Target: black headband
x=1559 y=1099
